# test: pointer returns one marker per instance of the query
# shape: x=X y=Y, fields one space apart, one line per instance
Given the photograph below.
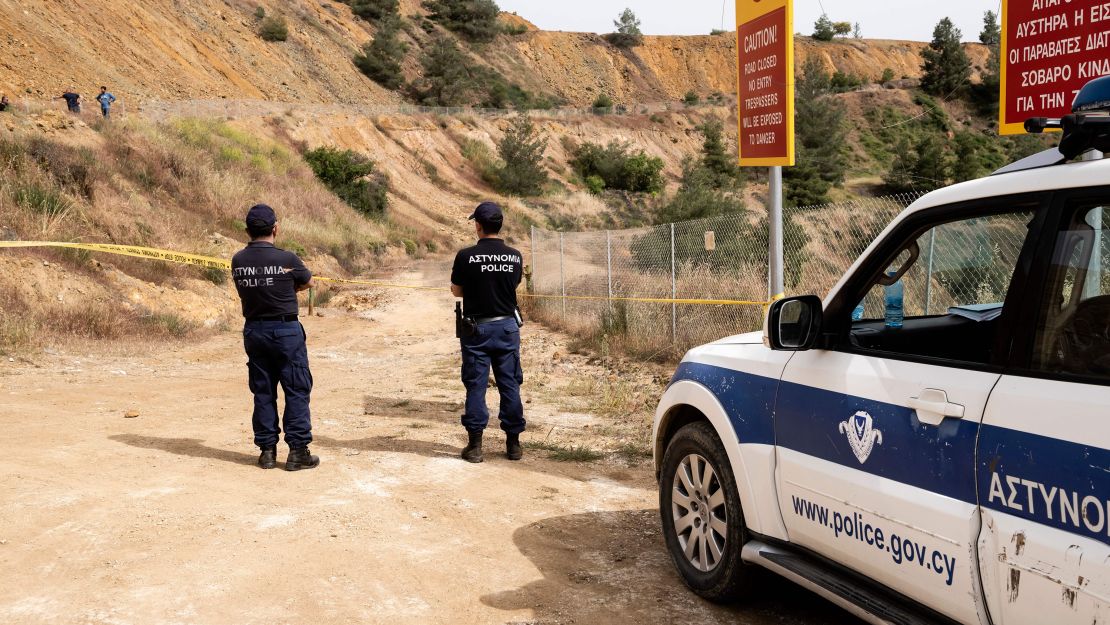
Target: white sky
x=878 y=19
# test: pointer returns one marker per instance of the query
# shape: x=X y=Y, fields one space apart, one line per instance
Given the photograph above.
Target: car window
x=1073 y=324
x=956 y=279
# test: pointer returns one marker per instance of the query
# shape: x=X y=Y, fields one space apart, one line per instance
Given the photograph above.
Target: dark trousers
x=277 y=353
x=496 y=344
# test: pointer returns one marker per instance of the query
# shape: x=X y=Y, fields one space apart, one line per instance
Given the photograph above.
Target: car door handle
x=932 y=406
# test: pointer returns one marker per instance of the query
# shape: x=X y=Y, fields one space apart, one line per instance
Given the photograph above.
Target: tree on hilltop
x=947 y=68
x=992 y=32
x=628 y=33
x=823 y=28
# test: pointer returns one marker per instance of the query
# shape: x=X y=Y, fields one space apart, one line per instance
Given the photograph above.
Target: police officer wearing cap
x=486 y=277
x=268 y=279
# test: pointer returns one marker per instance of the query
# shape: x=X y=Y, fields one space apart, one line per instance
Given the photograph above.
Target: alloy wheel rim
x=698 y=509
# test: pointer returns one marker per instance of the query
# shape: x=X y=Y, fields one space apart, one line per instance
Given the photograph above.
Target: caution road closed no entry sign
x=765 y=45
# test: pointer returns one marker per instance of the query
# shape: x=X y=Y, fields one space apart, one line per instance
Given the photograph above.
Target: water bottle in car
x=892 y=300
x=857 y=312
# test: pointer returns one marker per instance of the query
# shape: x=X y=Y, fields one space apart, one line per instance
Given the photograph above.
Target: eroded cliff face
x=183 y=49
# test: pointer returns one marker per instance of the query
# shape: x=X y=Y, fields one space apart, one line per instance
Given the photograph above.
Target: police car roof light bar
x=1086 y=128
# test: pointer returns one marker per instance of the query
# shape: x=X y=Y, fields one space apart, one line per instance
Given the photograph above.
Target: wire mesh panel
x=602 y=273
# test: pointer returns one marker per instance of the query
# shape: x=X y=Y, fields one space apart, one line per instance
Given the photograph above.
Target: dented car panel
x=1044 y=483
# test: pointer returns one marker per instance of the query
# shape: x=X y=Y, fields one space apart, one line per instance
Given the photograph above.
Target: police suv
x=948 y=462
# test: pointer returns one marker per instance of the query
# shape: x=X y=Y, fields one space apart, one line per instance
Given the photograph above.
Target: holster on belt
x=464 y=326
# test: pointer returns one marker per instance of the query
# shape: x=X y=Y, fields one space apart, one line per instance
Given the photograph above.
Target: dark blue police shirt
x=489 y=274
x=267 y=278
x=71 y=98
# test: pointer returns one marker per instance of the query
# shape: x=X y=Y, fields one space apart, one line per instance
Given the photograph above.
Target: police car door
x=876 y=434
x=1044 y=449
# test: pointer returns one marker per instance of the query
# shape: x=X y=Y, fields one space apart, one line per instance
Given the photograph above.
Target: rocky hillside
x=174 y=49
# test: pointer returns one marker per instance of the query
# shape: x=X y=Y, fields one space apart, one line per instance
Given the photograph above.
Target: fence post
x=609 y=269
x=929 y=271
x=562 y=278
x=532 y=277
x=674 y=293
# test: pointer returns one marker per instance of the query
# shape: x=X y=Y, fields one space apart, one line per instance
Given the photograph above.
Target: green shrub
x=691 y=98
x=603 y=102
x=380 y=60
x=352 y=177
x=42 y=200
x=716 y=157
x=274 y=28
x=474 y=20
x=452 y=78
x=482 y=158
x=215 y=275
x=373 y=10
x=293 y=246
x=888 y=75
x=618 y=167
x=260 y=12
x=595 y=184
x=841 y=82
x=521 y=152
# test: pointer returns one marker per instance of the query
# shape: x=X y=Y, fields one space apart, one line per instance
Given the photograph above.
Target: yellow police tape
x=219 y=263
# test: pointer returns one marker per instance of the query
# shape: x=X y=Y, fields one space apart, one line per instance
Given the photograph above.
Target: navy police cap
x=261 y=215
x=488 y=212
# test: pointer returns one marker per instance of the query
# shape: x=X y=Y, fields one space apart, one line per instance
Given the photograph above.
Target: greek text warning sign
x=1050 y=49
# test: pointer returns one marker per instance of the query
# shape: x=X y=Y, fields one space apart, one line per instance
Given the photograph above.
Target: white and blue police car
x=946 y=463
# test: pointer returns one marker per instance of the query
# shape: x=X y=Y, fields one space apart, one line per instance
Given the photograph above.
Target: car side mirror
x=794 y=323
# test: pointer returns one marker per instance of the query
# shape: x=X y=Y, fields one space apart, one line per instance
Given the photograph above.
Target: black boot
x=300 y=458
x=268 y=458
x=473 y=450
x=512 y=447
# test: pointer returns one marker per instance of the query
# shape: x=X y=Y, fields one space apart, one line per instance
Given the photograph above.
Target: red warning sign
x=1050 y=49
x=765 y=39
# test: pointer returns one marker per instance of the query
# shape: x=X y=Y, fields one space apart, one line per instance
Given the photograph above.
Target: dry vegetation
x=183 y=186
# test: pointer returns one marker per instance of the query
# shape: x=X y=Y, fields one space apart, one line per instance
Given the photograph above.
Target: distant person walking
x=4 y=103
x=268 y=279
x=106 y=99
x=73 y=101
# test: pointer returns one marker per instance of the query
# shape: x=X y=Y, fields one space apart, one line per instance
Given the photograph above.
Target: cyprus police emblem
x=862 y=438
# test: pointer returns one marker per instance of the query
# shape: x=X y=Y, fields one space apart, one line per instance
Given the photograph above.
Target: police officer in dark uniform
x=268 y=279
x=486 y=277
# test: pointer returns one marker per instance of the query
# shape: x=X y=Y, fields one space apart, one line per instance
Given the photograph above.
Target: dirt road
x=164 y=518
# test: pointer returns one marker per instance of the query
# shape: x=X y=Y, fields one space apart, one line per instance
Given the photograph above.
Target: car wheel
x=702 y=520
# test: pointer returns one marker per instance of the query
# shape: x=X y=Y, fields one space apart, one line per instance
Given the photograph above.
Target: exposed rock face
x=211 y=49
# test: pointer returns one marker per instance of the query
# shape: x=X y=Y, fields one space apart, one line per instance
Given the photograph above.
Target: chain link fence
x=162 y=110
x=588 y=281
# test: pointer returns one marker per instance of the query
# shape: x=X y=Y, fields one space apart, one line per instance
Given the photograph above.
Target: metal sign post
x=775 y=243
x=765 y=44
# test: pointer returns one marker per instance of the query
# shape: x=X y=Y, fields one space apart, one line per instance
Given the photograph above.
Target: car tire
x=703 y=523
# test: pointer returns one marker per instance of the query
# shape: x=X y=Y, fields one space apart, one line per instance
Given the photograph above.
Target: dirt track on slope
x=164 y=518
